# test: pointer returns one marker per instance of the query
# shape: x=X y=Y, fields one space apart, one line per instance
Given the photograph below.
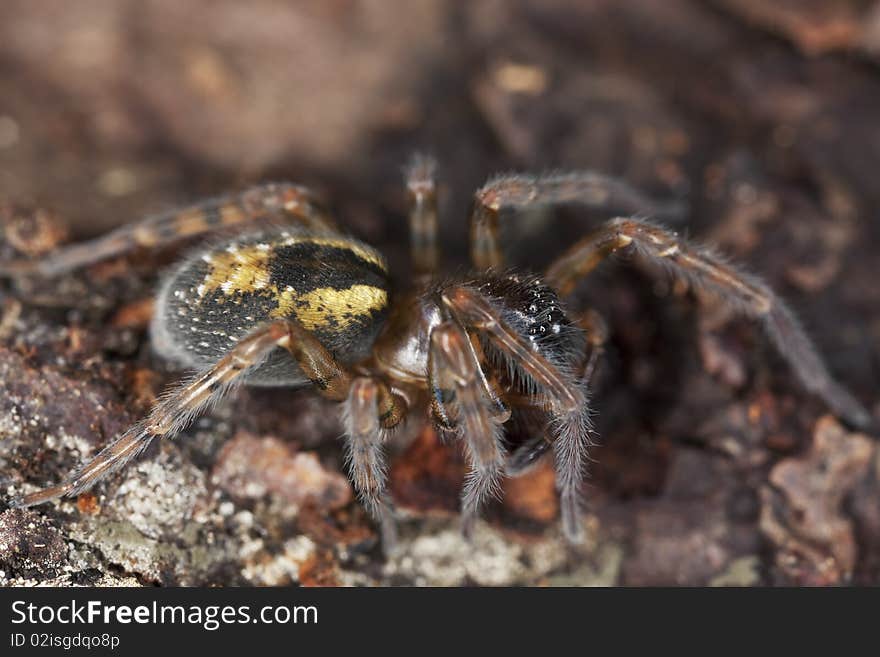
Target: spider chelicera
x=288 y=300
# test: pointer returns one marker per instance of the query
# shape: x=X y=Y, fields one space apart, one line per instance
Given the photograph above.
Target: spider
x=286 y=299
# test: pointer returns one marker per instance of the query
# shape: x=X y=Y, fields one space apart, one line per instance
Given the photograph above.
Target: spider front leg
x=177 y=408
x=278 y=202
x=516 y=192
x=459 y=402
x=565 y=397
x=703 y=269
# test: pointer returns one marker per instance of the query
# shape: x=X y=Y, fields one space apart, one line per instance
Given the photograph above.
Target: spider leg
x=422 y=189
x=516 y=192
x=281 y=202
x=459 y=399
x=566 y=397
x=703 y=269
x=369 y=410
x=178 y=407
x=528 y=453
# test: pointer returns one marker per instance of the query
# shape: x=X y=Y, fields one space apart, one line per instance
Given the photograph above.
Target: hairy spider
x=289 y=300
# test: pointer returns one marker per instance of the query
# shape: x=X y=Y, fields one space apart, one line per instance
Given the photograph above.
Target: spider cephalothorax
x=289 y=300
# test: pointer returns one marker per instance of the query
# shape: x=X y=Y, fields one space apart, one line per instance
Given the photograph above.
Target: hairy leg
x=179 y=406
x=278 y=202
x=528 y=453
x=566 y=398
x=369 y=410
x=516 y=192
x=571 y=433
x=460 y=401
x=422 y=189
x=702 y=268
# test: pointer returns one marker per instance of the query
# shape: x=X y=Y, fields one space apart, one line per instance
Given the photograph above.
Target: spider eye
x=554 y=316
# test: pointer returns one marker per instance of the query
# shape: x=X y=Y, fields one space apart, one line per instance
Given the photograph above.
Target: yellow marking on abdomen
x=245 y=270
x=326 y=307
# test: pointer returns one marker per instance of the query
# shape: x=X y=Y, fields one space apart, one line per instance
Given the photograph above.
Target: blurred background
x=762 y=117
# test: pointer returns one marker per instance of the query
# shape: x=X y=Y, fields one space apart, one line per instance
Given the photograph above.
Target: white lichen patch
x=264 y=569
x=159 y=495
x=445 y=558
x=442 y=557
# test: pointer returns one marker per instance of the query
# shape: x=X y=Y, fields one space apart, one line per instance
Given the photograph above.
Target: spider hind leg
x=280 y=202
x=178 y=407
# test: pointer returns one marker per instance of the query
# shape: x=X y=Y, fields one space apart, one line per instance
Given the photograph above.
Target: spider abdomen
x=335 y=286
